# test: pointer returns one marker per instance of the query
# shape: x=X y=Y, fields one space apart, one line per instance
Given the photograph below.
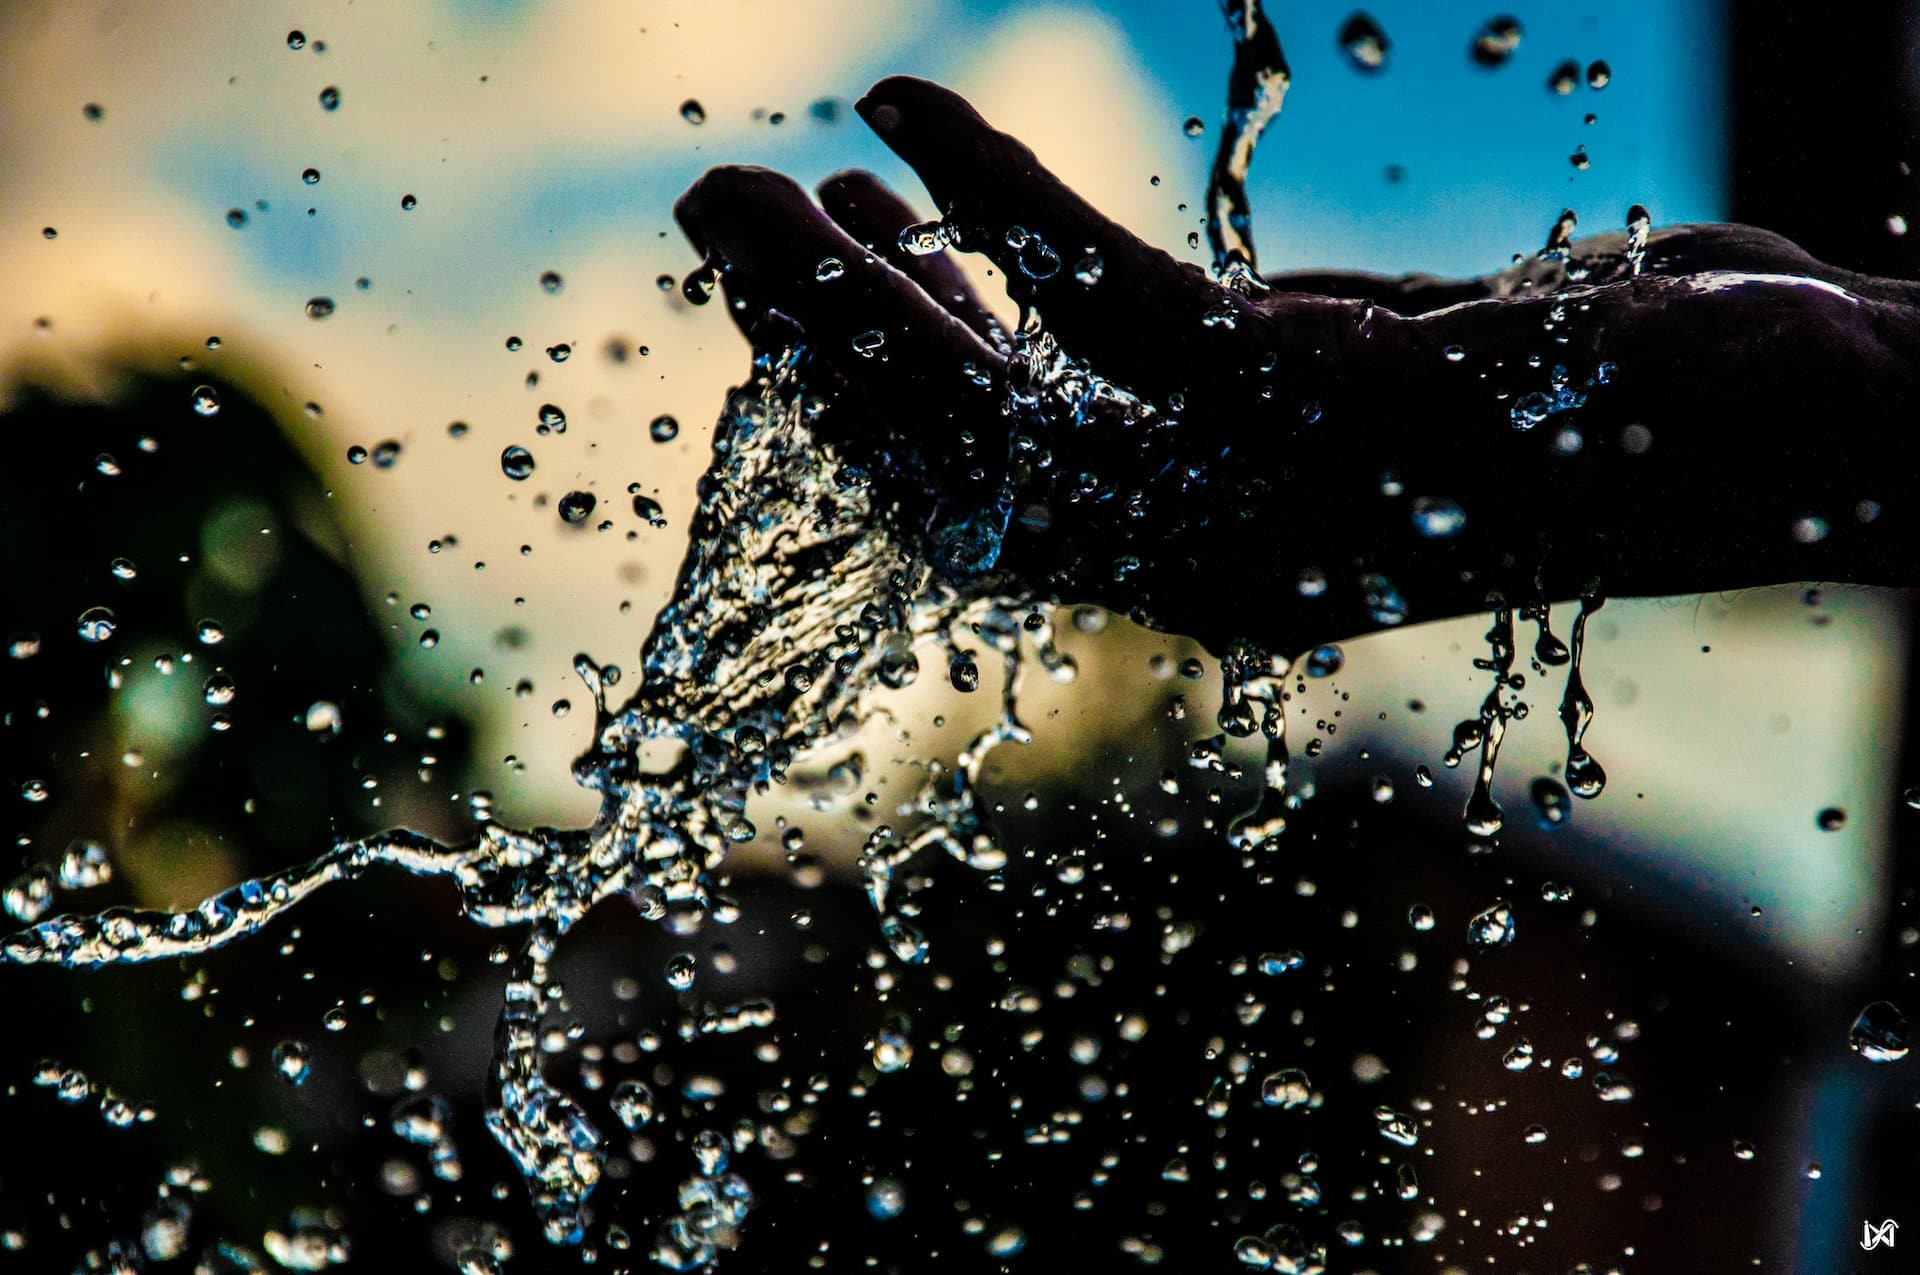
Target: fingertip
x=902 y=102
x=730 y=196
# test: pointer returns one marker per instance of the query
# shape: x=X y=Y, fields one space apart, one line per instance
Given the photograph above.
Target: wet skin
x=1743 y=412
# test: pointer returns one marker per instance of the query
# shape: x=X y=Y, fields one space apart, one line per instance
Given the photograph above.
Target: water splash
x=1256 y=87
x=794 y=600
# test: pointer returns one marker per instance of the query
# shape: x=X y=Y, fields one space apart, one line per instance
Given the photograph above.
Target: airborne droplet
x=1879 y=1034
x=1491 y=928
x=291 y=1062
x=1495 y=42
x=575 y=507
x=1287 y=1089
x=1365 y=43
x=516 y=463
x=96 y=624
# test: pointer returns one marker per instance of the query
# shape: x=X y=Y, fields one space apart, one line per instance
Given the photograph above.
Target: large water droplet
x=1287 y=1089
x=1495 y=42
x=292 y=1061
x=1365 y=43
x=1491 y=928
x=96 y=624
x=575 y=507
x=1879 y=1034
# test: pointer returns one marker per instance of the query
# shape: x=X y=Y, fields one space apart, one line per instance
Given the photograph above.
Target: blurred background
x=284 y=281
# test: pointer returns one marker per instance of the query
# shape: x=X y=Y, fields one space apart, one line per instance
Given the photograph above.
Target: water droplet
x=964 y=673
x=1365 y=43
x=334 y=1019
x=886 y=1199
x=93 y=112
x=1599 y=75
x=1564 y=79
x=869 y=343
x=829 y=269
x=330 y=98
x=408 y=203
x=1325 y=661
x=1879 y=1034
x=664 y=429
x=1254 y=1252
x=575 y=506
x=1036 y=259
x=680 y=971
x=692 y=112
x=517 y=463
x=85 y=865
x=1420 y=917
x=1491 y=928
x=291 y=1062
x=237 y=217
x=632 y=1104
x=1551 y=802
x=892 y=1046
x=319 y=307
x=1396 y=1127
x=551 y=420
x=386 y=453
x=1194 y=126
x=310 y=176
x=96 y=624
x=219 y=690
x=1287 y=1089
x=551 y=283
x=210 y=633
x=356 y=455
x=1832 y=819
x=296 y=39
x=649 y=508
x=924 y=238
x=1437 y=518
x=1495 y=42
x=1274 y=964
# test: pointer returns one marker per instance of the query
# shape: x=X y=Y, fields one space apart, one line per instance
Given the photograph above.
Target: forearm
x=1416 y=495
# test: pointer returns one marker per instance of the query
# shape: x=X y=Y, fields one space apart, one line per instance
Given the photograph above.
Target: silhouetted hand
x=1699 y=408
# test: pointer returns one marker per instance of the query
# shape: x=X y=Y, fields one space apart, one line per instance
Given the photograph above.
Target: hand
x=1331 y=453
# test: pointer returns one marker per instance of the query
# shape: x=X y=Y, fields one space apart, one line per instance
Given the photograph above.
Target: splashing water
x=1256 y=88
x=792 y=602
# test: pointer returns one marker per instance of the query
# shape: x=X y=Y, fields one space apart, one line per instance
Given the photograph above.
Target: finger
x=911 y=359
x=1164 y=322
x=875 y=216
